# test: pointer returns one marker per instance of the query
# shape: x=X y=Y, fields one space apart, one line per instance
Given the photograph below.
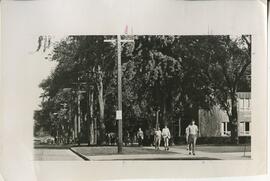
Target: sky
x=42 y=65
x=39 y=68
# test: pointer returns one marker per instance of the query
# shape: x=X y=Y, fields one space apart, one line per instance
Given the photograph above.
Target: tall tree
x=99 y=58
x=229 y=69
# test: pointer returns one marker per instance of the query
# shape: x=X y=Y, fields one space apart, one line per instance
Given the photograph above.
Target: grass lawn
x=220 y=149
x=52 y=146
x=111 y=150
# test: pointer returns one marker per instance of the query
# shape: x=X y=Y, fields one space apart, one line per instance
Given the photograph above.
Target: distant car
x=44 y=140
x=49 y=140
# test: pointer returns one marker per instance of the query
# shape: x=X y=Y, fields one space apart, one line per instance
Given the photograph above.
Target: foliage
x=174 y=74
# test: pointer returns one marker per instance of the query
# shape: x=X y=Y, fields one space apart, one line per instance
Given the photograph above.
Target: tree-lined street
x=165 y=80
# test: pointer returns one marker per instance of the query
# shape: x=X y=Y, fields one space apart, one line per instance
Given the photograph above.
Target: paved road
x=55 y=155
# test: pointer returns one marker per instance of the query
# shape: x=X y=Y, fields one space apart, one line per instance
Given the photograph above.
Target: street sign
x=118 y=115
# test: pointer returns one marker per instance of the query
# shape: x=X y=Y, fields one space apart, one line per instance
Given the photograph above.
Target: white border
x=25 y=19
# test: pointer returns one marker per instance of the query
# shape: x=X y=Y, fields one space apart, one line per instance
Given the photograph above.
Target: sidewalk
x=55 y=155
x=175 y=154
x=221 y=156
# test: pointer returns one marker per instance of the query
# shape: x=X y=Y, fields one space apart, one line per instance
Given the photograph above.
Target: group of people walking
x=165 y=134
x=158 y=135
x=191 y=137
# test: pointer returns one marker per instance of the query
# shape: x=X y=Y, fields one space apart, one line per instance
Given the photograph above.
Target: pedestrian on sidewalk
x=152 y=137
x=126 y=138
x=157 y=138
x=140 y=136
x=192 y=137
x=187 y=133
x=166 y=136
x=147 y=137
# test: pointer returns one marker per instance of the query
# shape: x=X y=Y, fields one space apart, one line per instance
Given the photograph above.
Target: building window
x=247 y=104
x=244 y=128
x=241 y=104
x=247 y=127
x=244 y=104
x=225 y=129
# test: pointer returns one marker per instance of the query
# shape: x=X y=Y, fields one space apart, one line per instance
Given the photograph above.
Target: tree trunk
x=164 y=116
x=75 y=128
x=88 y=119
x=79 y=119
x=195 y=113
x=95 y=131
x=233 y=118
x=101 y=113
x=91 y=121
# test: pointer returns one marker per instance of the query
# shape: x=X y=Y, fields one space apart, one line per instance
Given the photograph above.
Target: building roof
x=244 y=95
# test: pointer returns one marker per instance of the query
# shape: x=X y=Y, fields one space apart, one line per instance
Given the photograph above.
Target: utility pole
x=119 y=68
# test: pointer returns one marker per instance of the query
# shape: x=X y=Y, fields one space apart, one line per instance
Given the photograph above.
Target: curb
x=80 y=155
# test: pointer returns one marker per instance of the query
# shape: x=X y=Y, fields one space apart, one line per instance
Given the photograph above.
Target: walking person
x=192 y=137
x=140 y=136
x=152 y=137
x=147 y=137
x=187 y=133
x=157 y=138
x=126 y=138
x=166 y=136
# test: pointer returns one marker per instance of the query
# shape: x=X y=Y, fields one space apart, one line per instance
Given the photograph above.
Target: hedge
x=213 y=140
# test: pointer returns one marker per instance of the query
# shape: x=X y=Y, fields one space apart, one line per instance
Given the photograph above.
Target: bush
x=180 y=140
x=213 y=140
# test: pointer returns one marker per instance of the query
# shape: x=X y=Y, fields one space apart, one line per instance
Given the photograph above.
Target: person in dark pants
x=147 y=137
x=153 y=137
x=126 y=138
x=187 y=133
x=140 y=136
x=192 y=137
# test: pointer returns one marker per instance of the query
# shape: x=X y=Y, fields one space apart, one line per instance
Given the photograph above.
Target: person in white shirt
x=140 y=137
x=187 y=133
x=166 y=136
x=157 y=138
x=192 y=136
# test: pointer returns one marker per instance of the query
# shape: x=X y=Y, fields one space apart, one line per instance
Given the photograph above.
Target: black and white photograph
x=152 y=97
x=133 y=89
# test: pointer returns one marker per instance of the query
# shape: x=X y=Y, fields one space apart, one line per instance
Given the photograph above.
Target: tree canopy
x=177 y=75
